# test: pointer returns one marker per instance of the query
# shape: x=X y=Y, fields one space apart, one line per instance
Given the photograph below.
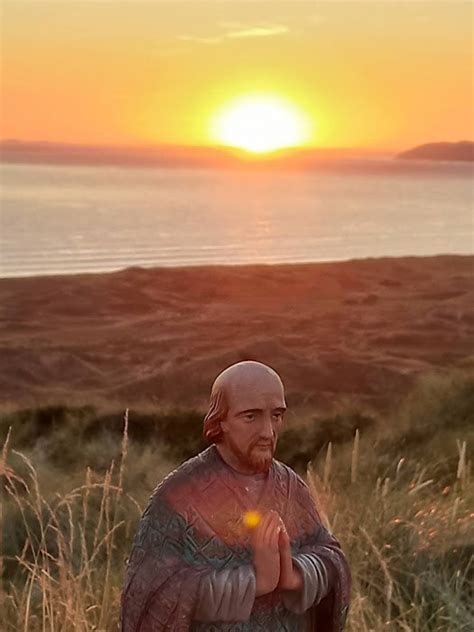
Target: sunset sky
x=381 y=75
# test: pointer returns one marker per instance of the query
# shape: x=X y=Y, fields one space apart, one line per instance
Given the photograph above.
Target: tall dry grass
x=400 y=501
x=67 y=576
x=409 y=537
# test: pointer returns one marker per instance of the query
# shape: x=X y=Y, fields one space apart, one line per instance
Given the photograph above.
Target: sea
x=67 y=219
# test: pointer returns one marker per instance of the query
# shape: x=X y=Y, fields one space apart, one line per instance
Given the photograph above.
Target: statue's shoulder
x=289 y=479
x=188 y=478
x=284 y=470
x=303 y=515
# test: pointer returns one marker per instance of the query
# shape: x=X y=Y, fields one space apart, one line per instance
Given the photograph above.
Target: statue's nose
x=267 y=431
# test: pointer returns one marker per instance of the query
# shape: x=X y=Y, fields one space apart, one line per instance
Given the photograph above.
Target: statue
x=231 y=540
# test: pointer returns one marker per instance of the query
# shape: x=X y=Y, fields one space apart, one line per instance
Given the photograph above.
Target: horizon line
x=157 y=144
x=236 y=151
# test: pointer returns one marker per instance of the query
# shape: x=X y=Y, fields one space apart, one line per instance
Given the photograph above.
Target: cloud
x=258 y=31
x=236 y=30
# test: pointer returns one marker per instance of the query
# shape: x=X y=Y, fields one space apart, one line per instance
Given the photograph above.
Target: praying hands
x=272 y=556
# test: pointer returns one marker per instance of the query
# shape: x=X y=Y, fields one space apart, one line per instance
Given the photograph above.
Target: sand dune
x=360 y=328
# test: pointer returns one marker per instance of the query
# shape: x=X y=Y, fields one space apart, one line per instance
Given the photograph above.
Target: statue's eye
x=249 y=416
x=277 y=416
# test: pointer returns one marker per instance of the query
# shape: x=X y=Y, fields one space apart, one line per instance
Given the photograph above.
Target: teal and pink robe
x=191 y=564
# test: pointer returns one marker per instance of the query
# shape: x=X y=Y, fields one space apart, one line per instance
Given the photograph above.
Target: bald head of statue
x=245 y=415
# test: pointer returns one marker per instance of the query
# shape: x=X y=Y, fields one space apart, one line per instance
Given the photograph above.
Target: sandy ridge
x=360 y=328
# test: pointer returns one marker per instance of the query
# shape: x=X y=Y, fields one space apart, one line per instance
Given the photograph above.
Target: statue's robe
x=193 y=547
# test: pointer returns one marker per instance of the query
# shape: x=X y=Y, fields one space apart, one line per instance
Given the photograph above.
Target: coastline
x=361 y=329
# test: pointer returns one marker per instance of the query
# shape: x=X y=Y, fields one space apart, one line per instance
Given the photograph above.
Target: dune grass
x=397 y=492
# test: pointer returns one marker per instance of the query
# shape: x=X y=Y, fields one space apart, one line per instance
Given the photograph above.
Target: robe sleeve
x=226 y=595
x=315 y=584
x=319 y=549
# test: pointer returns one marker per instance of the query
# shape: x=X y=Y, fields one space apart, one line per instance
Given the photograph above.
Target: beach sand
x=362 y=329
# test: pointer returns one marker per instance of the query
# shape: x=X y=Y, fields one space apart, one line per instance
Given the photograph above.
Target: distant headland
x=463 y=150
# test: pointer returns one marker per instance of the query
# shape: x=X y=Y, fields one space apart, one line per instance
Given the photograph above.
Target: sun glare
x=260 y=124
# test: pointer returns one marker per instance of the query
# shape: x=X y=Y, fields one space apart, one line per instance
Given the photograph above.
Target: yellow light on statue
x=252 y=519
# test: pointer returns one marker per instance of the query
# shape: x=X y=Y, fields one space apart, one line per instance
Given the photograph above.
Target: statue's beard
x=256 y=459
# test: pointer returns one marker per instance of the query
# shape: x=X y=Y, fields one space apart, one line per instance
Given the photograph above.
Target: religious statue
x=232 y=540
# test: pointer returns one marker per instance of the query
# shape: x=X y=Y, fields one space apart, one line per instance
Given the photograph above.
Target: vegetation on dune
x=397 y=492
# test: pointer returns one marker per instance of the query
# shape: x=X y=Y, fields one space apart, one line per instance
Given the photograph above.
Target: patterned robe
x=193 y=526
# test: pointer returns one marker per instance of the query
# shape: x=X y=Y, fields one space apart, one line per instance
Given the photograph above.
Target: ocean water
x=70 y=219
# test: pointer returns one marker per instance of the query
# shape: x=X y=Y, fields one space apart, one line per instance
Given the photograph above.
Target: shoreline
x=230 y=266
x=360 y=329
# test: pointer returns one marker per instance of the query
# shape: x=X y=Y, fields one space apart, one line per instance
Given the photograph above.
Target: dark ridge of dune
x=462 y=151
x=361 y=329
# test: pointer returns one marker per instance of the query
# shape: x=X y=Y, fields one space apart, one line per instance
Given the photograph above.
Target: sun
x=260 y=124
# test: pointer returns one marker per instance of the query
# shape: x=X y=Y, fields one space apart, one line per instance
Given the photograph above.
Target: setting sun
x=260 y=124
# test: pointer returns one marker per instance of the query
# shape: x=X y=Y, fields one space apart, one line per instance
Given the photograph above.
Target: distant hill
x=16 y=151
x=463 y=150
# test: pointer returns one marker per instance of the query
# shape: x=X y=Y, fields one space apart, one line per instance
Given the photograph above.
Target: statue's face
x=255 y=416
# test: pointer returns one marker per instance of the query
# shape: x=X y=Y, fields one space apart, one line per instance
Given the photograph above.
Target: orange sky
x=386 y=75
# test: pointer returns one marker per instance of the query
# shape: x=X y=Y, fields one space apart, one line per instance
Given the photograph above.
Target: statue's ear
x=224 y=424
